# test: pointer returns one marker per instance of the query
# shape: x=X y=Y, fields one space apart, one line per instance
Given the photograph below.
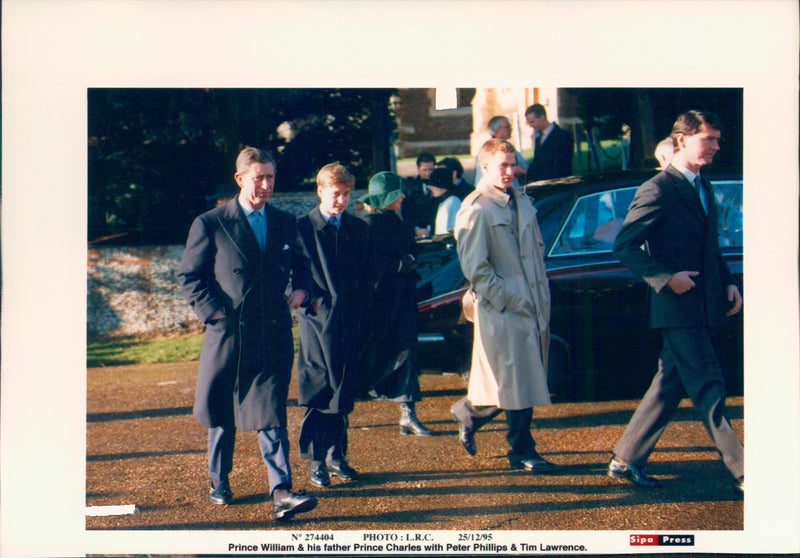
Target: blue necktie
x=334 y=222
x=259 y=228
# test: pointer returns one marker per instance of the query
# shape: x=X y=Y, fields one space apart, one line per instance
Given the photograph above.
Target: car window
x=595 y=220
x=728 y=195
x=594 y=223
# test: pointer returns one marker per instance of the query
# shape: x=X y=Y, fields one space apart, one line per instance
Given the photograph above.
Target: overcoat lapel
x=235 y=224
x=318 y=222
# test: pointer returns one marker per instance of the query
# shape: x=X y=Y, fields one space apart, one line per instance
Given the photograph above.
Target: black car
x=601 y=345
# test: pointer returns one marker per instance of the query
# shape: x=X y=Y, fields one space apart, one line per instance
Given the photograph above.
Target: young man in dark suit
x=238 y=261
x=553 y=147
x=331 y=328
x=674 y=216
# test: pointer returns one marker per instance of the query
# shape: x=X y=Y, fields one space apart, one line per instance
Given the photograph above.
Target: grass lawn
x=146 y=351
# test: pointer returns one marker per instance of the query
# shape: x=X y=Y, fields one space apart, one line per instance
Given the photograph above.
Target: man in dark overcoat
x=331 y=328
x=237 y=264
x=552 y=147
x=674 y=216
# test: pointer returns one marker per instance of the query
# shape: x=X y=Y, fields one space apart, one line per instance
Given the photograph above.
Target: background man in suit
x=238 y=261
x=332 y=328
x=552 y=147
x=693 y=291
x=500 y=249
x=418 y=206
x=462 y=187
x=500 y=128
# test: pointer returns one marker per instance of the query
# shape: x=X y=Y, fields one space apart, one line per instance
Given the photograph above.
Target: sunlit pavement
x=144 y=448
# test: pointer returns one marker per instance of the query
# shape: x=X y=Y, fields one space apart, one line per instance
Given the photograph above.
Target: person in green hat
x=390 y=361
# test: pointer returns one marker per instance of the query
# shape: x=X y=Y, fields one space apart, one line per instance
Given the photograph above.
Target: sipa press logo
x=661 y=540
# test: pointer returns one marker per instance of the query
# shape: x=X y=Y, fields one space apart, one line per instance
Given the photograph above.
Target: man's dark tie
x=512 y=203
x=698 y=185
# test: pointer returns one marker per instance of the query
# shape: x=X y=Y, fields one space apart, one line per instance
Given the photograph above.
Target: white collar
x=248 y=209
x=689 y=175
x=328 y=216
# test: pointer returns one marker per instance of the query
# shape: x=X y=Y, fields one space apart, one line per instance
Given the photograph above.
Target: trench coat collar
x=497 y=195
x=525 y=211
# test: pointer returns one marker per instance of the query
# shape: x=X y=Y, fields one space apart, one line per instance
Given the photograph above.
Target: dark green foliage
x=154 y=154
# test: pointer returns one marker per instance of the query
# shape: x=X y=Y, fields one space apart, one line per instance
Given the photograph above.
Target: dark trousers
x=323 y=436
x=519 y=436
x=274 y=444
x=687 y=361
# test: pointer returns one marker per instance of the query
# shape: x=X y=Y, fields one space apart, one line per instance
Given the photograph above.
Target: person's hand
x=735 y=298
x=682 y=281
x=422 y=233
x=295 y=299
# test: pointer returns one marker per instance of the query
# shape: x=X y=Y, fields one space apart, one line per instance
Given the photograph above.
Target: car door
x=597 y=302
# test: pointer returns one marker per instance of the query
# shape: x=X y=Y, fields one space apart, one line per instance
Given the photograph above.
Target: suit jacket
x=667 y=215
x=418 y=208
x=246 y=360
x=553 y=158
x=330 y=340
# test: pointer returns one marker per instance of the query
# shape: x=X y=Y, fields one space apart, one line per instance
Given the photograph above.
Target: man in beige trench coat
x=500 y=249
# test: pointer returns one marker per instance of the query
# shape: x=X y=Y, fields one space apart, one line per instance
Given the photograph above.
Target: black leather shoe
x=294 y=503
x=221 y=494
x=318 y=474
x=631 y=473
x=739 y=485
x=466 y=436
x=534 y=464
x=343 y=471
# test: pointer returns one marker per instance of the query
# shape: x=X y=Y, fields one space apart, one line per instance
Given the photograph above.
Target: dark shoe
x=318 y=474
x=294 y=503
x=221 y=494
x=739 y=485
x=535 y=464
x=466 y=436
x=343 y=471
x=632 y=473
x=409 y=423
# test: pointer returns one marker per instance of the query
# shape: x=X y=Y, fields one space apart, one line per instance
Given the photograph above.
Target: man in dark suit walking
x=238 y=261
x=552 y=147
x=331 y=329
x=675 y=217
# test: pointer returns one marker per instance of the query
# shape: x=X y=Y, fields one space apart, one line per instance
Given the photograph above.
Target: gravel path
x=144 y=448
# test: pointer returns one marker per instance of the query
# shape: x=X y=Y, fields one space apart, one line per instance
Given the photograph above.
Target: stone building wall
x=422 y=128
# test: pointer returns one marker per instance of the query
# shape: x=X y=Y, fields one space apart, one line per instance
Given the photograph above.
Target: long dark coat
x=390 y=361
x=330 y=340
x=246 y=360
x=667 y=214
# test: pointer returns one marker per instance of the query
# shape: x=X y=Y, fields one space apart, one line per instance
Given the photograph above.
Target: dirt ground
x=145 y=448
